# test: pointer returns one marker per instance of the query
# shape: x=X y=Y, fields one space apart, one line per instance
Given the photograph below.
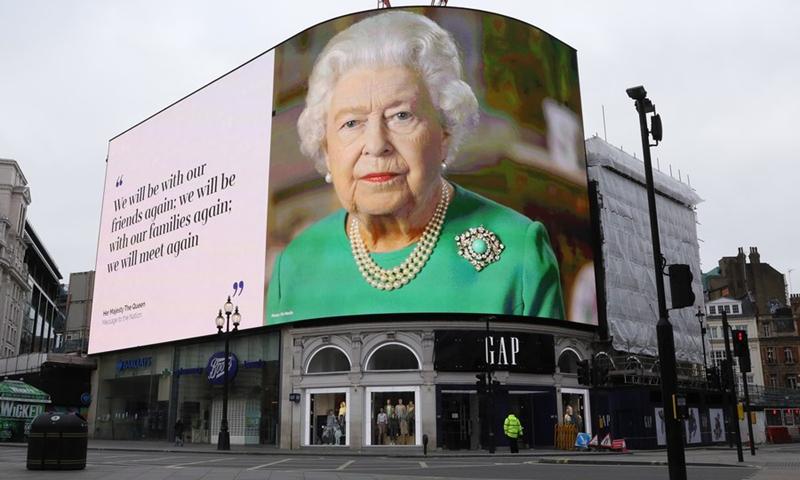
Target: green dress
x=316 y=275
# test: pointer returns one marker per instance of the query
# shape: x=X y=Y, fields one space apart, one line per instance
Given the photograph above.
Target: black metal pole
x=666 y=341
x=224 y=440
x=489 y=391
x=734 y=414
x=703 y=339
x=747 y=412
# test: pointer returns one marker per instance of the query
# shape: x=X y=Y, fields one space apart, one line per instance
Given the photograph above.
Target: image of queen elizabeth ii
x=385 y=112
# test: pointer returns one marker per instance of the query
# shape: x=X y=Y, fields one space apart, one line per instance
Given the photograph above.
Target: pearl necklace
x=397 y=277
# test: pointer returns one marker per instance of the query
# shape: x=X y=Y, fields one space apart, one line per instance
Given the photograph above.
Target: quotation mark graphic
x=238 y=287
x=119 y=181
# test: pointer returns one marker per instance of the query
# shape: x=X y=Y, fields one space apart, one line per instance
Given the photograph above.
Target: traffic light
x=600 y=375
x=680 y=286
x=584 y=372
x=740 y=348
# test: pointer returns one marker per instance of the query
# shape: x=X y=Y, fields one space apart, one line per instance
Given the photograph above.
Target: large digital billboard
x=415 y=160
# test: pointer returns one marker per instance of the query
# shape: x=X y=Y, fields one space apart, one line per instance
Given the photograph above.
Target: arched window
x=393 y=356
x=568 y=361
x=327 y=360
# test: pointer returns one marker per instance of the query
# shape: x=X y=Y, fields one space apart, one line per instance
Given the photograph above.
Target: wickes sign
x=458 y=350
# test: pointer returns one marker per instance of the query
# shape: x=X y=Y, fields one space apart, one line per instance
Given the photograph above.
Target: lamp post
x=224 y=438
x=676 y=456
x=700 y=316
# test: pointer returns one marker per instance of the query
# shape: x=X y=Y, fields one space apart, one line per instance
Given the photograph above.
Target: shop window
x=712 y=310
x=393 y=416
x=774 y=417
x=568 y=361
x=328 y=417
x=328 y=360
x=393 y=356
x=735 y=308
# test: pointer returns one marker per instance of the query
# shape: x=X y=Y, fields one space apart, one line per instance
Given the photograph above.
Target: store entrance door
x=522 y=403
x=457 y=421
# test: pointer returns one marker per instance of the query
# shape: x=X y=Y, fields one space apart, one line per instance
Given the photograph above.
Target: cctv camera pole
x=666 y=342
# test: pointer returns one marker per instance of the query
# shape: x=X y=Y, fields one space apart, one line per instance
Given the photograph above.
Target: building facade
x=15 y=197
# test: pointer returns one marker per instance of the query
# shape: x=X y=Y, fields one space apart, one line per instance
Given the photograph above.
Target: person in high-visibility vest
x=513 y=430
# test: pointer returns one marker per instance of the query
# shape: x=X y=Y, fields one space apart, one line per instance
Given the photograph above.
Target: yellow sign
x=740 y=409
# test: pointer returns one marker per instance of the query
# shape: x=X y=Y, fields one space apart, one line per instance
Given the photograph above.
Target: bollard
x=425 y=444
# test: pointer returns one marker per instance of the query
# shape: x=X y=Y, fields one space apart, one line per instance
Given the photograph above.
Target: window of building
x=766 y=330
x=327 y=360
x=788 y=355
x=791 y=381
x=773 y=380
x=712 y=310
x=717 y=356
x=770 y=354
x=392 y=417
x=774 y=417
x=727 y=309
x=328 y=421
x=568 y=361
x=735 y=308
x=393 y=356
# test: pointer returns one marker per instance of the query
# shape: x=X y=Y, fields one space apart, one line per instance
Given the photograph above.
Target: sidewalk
x=713 y=456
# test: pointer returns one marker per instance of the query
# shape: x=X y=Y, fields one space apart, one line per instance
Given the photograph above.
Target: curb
x=560 y=461
x=532 y=455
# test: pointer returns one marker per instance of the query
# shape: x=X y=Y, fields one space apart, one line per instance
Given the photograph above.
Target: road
x=130 y=465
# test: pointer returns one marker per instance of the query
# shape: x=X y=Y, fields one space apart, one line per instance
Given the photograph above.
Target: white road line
x=423 y=465
x=181 y=465
x=149 y=459
x=345 y=465
x=269 y=464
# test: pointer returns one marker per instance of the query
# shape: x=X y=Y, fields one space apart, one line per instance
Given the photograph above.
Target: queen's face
x=384 y=142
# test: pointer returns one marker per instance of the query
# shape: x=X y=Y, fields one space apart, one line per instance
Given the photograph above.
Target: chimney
x=755 y=258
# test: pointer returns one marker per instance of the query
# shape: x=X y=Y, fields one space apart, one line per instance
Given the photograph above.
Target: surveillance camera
x=637 y=93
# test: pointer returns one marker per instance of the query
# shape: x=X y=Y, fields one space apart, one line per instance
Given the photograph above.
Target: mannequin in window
x=342 y=414
x=394 y=428
x=402 y=420
x=411 y=420
x=382 y=422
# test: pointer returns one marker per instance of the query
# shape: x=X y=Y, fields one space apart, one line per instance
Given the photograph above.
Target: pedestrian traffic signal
x=740 y=348
x=584 y=372
x=680 y=286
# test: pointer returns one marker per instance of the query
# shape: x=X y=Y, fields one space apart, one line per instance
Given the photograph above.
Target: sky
x=723 y=76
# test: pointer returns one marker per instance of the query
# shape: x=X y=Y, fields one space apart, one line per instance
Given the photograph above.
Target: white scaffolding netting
x=631 y=300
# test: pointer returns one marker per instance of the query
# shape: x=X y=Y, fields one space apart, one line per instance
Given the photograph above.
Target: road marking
x=181 y=465
x=423 y=465
x=149 y=459
x=269 y=464
x=345 y=465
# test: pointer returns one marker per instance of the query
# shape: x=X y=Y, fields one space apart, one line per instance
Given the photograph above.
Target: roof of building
x=41 y=251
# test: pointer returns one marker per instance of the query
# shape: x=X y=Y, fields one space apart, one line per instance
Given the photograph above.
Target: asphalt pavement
x=161 y=460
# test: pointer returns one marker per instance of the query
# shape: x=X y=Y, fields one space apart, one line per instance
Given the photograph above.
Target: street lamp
x=700 y=316
x=224 y=439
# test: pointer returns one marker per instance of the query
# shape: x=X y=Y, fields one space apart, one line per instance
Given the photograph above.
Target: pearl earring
x=328 y=177
x=444 y=166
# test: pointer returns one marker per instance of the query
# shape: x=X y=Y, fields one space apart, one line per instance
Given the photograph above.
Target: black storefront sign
x=469 y=351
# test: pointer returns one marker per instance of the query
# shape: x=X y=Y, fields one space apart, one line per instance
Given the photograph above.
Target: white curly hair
x=390 y=39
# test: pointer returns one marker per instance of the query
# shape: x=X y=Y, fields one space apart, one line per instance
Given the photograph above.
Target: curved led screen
x=414 y=160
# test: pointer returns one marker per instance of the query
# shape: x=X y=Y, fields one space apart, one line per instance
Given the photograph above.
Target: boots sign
x=457 y=350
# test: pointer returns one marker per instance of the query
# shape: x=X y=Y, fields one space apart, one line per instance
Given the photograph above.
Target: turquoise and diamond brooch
x=479 y=246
